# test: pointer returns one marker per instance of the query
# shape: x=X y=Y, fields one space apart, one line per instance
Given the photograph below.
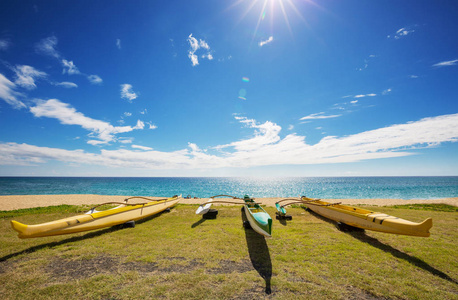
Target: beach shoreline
x=14 y=202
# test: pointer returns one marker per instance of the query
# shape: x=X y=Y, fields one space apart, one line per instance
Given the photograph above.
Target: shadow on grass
x=361 y=235
x=259 y=254
x=399 y=254
x=198 y=223
x=282 y=221
x=89 y=235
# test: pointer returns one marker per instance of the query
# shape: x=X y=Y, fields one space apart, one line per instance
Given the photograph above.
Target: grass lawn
x=178 y=255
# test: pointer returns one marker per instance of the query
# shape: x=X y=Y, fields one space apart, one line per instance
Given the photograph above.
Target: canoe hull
x=366 y=219
x=259 y=220
x=96 y=220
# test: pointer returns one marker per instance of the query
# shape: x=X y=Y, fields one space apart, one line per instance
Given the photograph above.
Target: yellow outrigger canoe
x=360 y=218
x=94 y=219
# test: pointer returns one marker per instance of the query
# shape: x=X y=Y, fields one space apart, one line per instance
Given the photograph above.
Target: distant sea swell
x=318 y=187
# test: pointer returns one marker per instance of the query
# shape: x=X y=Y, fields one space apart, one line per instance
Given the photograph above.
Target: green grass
x=179 y=255
x=60 y=209
x=433 y=207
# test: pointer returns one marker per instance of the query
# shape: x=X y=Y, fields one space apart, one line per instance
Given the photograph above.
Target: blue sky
x=228 y=88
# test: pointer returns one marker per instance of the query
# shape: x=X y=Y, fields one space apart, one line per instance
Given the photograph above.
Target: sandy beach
x=28 y=201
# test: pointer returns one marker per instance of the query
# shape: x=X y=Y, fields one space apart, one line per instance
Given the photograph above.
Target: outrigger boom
x=258 y=218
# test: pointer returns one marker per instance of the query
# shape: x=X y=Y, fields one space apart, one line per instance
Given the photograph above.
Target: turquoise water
x=318 y=187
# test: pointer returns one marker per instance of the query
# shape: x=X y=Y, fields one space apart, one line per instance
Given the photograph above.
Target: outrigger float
x=258 y=219
x=358 y=217
x=93 y=219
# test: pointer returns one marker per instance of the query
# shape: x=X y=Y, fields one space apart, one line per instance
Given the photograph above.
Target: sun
x=268 y=10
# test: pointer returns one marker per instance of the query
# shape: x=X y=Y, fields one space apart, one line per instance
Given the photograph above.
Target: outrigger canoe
x=360 y=218
x=258 y=218
x=94 y=219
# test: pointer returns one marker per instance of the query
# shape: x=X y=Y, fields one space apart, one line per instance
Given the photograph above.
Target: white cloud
x=141 y=147
x=67 y=115
x=264 y=134
x=269 y=40
x=203 y=44
x=401 y=32
x=365 y=95
x=69 y=67
x=387 y=91
x=8 y=94
x=265 y=148
x=195 y=46
x=4 y=45
x=127 y=92
x=127 y=114
x=47 y=46
x=446 y=63
x=26 y=75
x=95 y=79
x=66 y=84
x=151 y=125
x=118 y=44
x=318 y=116
x=124 y=140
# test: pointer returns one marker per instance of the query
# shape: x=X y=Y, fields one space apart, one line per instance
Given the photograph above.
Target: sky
x=229 y=88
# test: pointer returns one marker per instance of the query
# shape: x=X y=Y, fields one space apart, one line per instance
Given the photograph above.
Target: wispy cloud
x=264 y=134
x=127 y=92
x=151 y=125
x=94 y=79
x=66 y=84
x=401 y=33
x=366 y=62
x=269 y=40
x=4 y=45
x=8 y=93
x=69 y=67
x=48 y=46
x=26 y=76
x=141 y=147
x=319 y=116
x=365 y=95
x=118 y=44
x=387 y=91
x=195 y=45
x=446 y=63
x=104 y=132
x=266 y=147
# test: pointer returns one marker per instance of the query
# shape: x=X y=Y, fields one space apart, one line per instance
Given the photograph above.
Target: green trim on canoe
x=261 y=217
x=280 y=209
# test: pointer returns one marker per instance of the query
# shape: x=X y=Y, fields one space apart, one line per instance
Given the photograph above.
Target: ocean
x=316 y=187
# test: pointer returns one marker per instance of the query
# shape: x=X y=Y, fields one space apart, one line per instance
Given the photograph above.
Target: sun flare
x=268 y=10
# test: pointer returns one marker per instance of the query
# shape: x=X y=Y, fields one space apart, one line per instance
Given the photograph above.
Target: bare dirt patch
x=64 y=269
x=229 y=266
